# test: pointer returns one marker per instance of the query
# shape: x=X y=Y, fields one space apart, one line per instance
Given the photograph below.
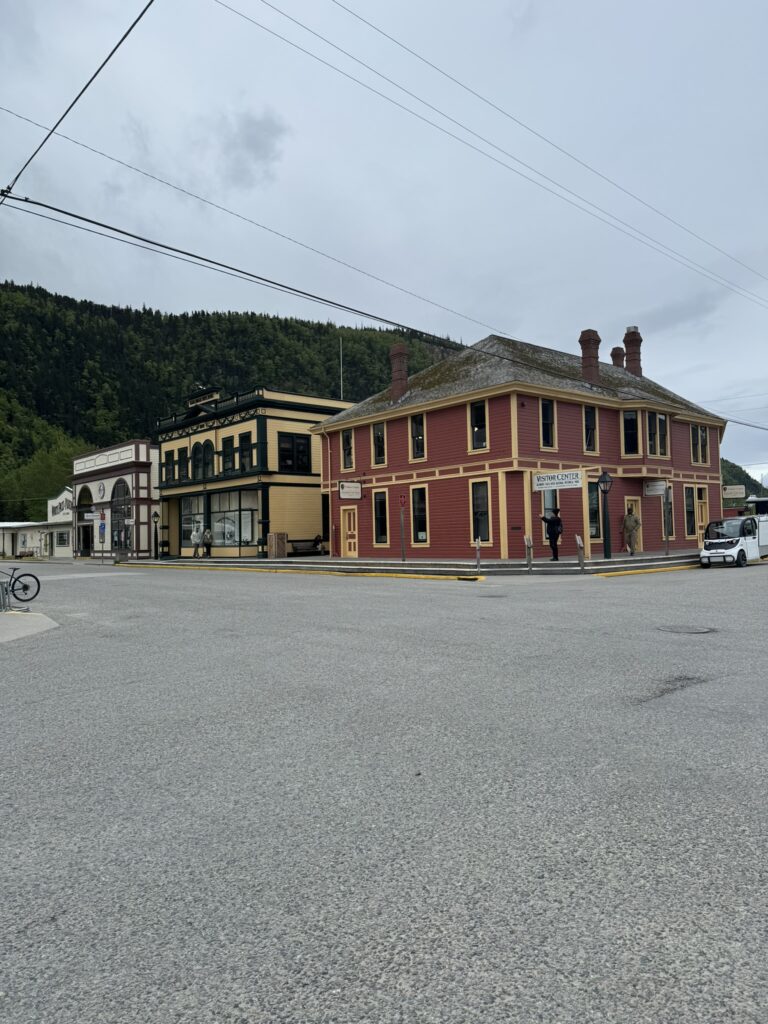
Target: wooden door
x=349 y=532
x=702 y=513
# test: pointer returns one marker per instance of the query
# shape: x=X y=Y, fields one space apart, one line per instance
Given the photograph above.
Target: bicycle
x=24 y=586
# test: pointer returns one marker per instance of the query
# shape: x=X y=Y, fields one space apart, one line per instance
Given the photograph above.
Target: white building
x=115 y=496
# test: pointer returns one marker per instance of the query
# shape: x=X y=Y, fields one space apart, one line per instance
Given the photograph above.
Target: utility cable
x=6 y=191
x=255 y=223
x=614 y=222
x=140 y=241
x=540 y=135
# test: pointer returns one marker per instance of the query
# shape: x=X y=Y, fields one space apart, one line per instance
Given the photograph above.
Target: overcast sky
x=666 y=99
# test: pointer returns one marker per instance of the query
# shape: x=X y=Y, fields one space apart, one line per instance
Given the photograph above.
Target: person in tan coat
x=630 y=526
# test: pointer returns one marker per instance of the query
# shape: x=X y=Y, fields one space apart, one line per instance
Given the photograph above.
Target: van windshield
x=720 y=528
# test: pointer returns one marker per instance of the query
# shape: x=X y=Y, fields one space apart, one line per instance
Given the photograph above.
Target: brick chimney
x=632 y=343
x=617 y=356
x=590 y=343
x=398 y=356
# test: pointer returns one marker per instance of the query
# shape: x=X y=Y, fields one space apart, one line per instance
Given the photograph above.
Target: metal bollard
x=528 y=552
x=5 y=597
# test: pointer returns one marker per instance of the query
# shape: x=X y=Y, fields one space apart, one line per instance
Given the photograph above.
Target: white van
x=735 y=541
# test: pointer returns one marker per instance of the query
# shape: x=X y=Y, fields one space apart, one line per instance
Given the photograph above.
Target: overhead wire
x=614 y=222
x=255 y=223
x=6 y=191
x=550 y=142
x=207 y=263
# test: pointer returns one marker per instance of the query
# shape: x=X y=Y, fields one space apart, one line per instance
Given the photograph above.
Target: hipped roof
x=495 y=362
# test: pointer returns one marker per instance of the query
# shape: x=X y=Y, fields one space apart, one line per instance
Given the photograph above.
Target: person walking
x=207 y=541
x=554 y=525
x=194 y=539
x=630 y=525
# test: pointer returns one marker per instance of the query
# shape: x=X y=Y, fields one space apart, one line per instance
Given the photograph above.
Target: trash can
x=277 y=545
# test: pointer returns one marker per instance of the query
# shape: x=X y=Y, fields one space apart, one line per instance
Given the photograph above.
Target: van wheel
x=741 y=559
x=705 y=565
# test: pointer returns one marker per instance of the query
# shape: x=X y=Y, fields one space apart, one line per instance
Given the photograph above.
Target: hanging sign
x=557 y=481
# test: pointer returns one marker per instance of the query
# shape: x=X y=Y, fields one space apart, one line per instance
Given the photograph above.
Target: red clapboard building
x=482 y=444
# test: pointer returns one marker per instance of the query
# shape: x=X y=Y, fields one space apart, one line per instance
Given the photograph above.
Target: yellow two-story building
x=244 y=467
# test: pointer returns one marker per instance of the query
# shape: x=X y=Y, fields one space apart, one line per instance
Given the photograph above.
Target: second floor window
x=208 y=460
x=246 y=459
x=590 y=428
x=347 y=451
x=657 y=433
x=478 y=431
x=631 y=435
x=169 y=467
x=197 y=462
x=379 y=438
x=418 y=446
x=294 y=453
x=699 y=444
x=228 y=455
x=547 y=423
x=183 y=463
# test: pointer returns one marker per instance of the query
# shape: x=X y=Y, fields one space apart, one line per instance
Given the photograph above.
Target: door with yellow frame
x=349 y=532
x=702 y=513
x=632 y=504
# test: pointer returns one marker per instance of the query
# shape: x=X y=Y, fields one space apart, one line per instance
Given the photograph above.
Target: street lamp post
x=155 y=520
x=604 y=483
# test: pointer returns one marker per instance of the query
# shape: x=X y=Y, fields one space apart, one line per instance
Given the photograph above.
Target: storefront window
x=191 y=516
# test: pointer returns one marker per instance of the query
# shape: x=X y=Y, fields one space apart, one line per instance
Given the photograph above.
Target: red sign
x=103 y=516
x=402 y=501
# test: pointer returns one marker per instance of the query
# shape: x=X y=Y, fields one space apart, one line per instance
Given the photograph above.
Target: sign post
x=402 y=527
x=102 y=534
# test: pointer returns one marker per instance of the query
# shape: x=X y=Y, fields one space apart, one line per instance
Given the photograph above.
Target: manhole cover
x=686 y=629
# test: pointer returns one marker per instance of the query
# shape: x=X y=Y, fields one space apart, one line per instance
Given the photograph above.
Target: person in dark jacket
x=554 y=526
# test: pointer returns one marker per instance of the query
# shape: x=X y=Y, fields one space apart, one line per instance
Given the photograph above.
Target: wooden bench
x=308 y=547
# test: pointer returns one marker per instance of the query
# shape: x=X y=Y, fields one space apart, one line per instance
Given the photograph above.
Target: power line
x=615 y=222
x=161 y=248
x=734 y=398
x=540 y=135
x=255 y=223
x=6 y=191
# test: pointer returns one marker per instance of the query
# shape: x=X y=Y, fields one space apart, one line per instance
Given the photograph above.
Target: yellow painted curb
x=300 y=572
x=643 y=572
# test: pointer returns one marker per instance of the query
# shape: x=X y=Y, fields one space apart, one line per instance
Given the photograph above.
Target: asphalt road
x=247 y=797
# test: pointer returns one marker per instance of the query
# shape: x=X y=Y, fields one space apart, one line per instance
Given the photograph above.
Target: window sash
x=478 y=426
x=380 y=524
x=590 y=428
x=481 y=525
x=294 y=453
x=419 y=515
x=379 y=444
x=246 y=463
x=347 y=459
x=690 y=512
x=547 y=423
x=228 y=455
x=417 y=436
x=695 y=443
x=631 y=434
x=593 y=501
x=169 y=474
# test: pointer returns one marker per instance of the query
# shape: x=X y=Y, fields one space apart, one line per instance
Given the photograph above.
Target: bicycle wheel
x=25 y=587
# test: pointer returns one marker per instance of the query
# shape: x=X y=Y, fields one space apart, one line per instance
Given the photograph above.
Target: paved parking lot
x=242 y=797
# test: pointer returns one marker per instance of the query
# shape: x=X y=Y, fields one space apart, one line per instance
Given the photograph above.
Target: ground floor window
x=62 y=538
x=380 y=518
x=593 y=501
x=669 y=514
x=690 y=512
x=481 y=526
x=232 y=517
x=419 y=514
x=191 y=516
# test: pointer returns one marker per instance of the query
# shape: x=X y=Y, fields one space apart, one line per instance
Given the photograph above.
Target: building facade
x=245 y=467
x=115 y=496
x=478 y=447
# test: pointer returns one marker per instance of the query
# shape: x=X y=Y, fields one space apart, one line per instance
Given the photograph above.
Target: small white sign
x=129 y=522
x=350 y=489
x=557 y=481
x=735 y=491
x=653 y=488
x=90 y=515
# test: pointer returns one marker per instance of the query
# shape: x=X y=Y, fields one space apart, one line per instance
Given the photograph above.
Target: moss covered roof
x=494 y=362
